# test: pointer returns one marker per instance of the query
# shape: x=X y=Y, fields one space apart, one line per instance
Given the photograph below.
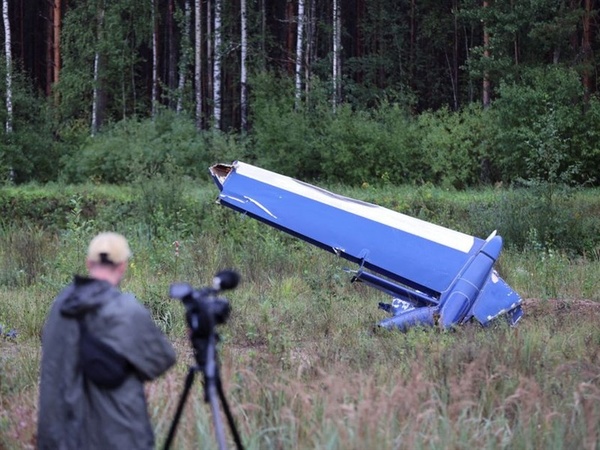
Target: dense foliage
x=458 y=94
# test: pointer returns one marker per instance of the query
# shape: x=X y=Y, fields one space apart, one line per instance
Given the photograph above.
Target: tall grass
x=302 y=362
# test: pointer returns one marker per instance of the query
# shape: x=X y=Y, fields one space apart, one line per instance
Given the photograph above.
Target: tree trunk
x=516 y=46
x=185 y=53
x=309 y=51
x=299 y=52
x=289 y=20
x=97 y=101
x=359 y=38
x=198 y=63
x=486 y=94
x=586 y=48
x=53 y=45
x=337 y=41
x=217 y=68
x=455 y=63
x=413 y=37
x=7 y=50
x=263 y=34
x=209 y=49
x=49 y=48
x=57 y=19
x=243 y=76
x=154 y=94
x=171 y=60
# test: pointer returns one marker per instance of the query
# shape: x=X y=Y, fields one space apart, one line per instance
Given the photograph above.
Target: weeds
x=303 y=365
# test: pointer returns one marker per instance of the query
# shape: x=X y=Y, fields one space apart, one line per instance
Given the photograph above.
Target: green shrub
x=24 y=254
x=161 y=202
x=168 y=145
x=283 y=138
x=350 y=145
x=454 y=147
x=28 y=151
x=371 y=147
x=542 y=217
x=534 y=122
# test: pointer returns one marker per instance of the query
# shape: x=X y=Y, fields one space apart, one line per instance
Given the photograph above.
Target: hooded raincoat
x=74 y=413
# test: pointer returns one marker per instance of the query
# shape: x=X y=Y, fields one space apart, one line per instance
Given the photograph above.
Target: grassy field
x=303 y=364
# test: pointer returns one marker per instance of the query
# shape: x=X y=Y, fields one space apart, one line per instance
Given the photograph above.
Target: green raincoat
x=74 y=413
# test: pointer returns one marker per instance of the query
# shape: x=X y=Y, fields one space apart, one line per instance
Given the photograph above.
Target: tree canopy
x=86 y=64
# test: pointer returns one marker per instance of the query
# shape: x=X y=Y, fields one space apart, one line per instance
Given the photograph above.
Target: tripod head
x=204 y=308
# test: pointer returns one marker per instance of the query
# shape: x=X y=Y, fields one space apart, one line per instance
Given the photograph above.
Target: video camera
x=204 y=310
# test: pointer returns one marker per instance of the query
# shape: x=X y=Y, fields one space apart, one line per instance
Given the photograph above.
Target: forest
x=458 y=93
x=476 y=115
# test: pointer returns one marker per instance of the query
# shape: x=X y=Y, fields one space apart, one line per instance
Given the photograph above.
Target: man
x=75 y=412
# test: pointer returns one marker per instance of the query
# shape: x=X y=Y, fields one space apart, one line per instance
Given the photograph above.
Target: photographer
x=99 y=346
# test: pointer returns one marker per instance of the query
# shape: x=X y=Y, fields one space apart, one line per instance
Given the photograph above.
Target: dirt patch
x=535 y=307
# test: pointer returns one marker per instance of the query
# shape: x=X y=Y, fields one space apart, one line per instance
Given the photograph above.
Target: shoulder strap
x=100 y=363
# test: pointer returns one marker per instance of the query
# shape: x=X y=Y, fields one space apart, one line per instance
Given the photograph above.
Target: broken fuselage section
x=436 y=276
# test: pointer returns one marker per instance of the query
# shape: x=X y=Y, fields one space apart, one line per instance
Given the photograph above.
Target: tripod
x=205 y=352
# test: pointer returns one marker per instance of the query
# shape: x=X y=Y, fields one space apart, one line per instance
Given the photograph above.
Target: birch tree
x=198 y=62
x=171 y=53
x=209 y=47
x=487 y=87
x=7 y=50
x=243 y=75
x=299 y=51
x=154 y=90
x=217 y=68
x=336 y=64
x=185 y=55
x=96 y=97
x=310 y=26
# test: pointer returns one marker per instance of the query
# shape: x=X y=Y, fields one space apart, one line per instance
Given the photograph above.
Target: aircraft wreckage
x=435 y=276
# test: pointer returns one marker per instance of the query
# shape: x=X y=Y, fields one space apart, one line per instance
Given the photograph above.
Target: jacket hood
x=86 y=294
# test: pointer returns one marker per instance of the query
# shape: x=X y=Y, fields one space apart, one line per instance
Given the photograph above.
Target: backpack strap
x=99 y=362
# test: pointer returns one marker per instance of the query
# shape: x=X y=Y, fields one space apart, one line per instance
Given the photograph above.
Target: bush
x=315 y=142
x=545 y=217
x=370 y=147
x=282 y=138
x=168 y=145
x=28 y=152
x=535 y=121
x=454 y=147
x=53 y=205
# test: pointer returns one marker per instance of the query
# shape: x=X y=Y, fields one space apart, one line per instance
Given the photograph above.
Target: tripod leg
x=232 y=427
x=214 y=406
x=188 y=384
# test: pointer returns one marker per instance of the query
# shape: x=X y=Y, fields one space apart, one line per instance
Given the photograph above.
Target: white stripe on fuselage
x=426 y=230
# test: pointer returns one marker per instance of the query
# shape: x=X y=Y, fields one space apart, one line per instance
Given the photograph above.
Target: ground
x=535 y=307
